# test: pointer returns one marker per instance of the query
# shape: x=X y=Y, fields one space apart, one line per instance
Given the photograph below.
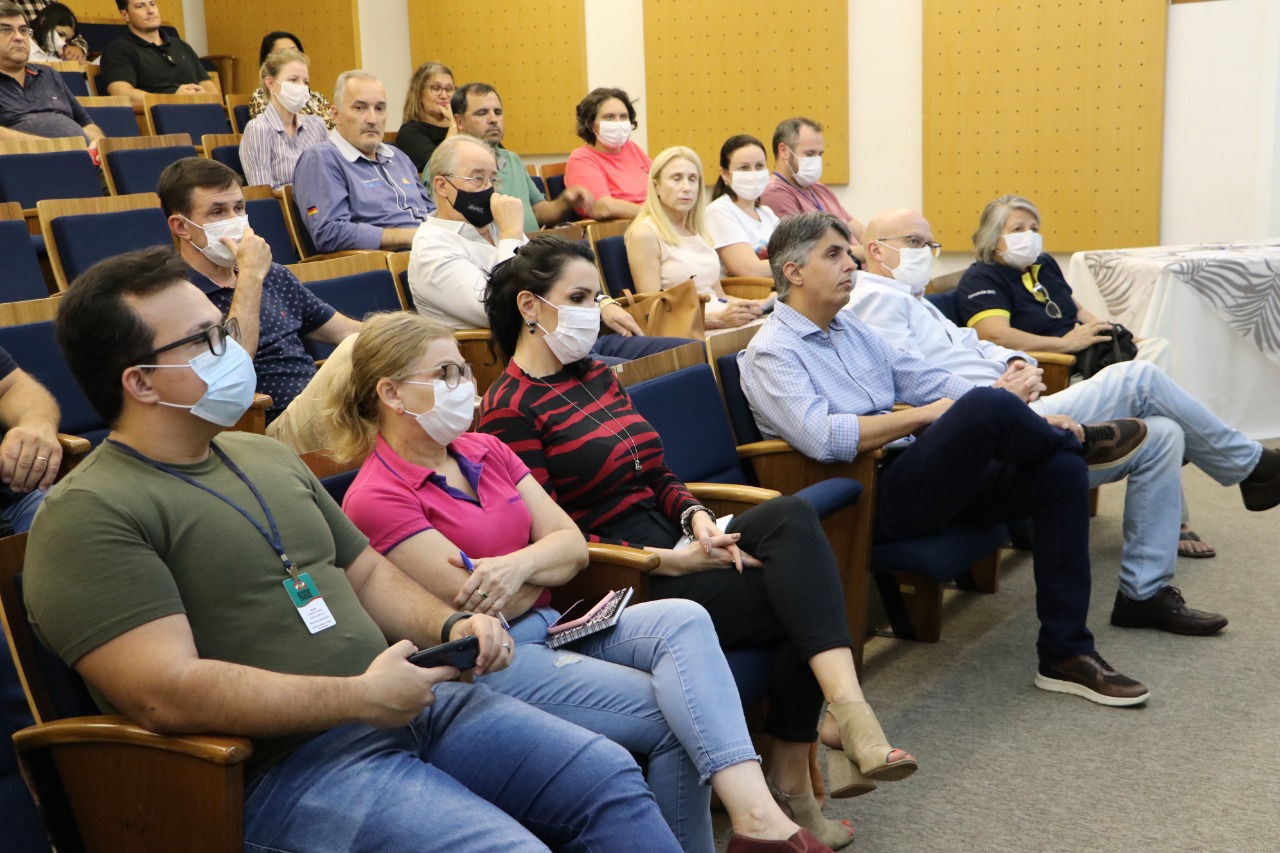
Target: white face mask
x=614 y=134
x=749 y=185
x=215 y=251
x=452 y=413
x=1021 y=248
x=58 y=44
x=808 y=170
x=914 y=268
x=293 y=96
x=577 y=328
x=231 y=382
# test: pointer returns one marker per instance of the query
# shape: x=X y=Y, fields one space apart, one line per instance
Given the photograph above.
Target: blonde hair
x=413 y=110
x=656 y=215
x=991 y=225
x=388 y=344
x=279 y=59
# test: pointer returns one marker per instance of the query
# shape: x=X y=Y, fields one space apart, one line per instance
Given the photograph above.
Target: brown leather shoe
x=1090 y=676
x=1167 y=610
x=1113 y=442
x=1261 y=489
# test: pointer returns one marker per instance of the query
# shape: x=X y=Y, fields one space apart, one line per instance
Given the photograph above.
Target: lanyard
x=273 y=536
x=807 y=193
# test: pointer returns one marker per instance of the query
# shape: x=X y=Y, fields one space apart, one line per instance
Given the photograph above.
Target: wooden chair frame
x=51 y=209
x=108 y=144
x=231 y=102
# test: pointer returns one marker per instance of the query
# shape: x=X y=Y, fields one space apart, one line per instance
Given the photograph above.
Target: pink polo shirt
x=392 y=500
x=624 y=176
x=786 y=199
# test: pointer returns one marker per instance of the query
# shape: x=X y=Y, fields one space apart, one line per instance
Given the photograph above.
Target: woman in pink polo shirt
x=461 y=514
x=610 y=165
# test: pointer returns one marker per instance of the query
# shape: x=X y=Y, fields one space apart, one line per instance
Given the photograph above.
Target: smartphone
x=573 y=617
x=460 y=654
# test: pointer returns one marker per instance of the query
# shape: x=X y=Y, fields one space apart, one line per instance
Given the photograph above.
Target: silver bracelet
x=686 y=518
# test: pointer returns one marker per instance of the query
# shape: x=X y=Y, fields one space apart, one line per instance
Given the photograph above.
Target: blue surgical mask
x=231 y=382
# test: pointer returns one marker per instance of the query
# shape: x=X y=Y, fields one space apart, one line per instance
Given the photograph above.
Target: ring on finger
x=483 y=594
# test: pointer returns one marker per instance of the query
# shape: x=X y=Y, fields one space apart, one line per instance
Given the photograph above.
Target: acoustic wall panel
x=1060 y=102
x=329 y=30
x=715 y=68
x=533 y=53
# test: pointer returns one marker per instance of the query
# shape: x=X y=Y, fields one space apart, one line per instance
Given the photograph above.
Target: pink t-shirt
x=392 y=500
x=785 y=198
x=624 y=176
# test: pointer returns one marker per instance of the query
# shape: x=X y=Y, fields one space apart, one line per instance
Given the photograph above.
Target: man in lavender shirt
x=354 y=191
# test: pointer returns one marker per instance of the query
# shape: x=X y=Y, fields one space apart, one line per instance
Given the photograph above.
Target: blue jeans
x=656 y=683
x=476 y=771
x=22 y=512
x=615 y=349
x=989 y=458
x=1178 y=424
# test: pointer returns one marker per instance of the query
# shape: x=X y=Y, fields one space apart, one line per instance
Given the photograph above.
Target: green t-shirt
x=119 y=543
x=516 y=182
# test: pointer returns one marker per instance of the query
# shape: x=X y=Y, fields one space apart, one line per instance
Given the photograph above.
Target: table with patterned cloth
x=1218 y=304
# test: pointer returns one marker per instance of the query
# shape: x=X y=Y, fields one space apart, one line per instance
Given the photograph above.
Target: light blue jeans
x=1178 y=425
x=477 y=771
x=22 y=512
x=656 y=683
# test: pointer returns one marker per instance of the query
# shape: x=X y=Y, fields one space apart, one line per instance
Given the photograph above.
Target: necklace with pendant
x=625 y=435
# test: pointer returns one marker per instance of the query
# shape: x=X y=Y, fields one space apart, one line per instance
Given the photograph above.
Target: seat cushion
x=684 y=407
x=84 y=239
x=943 y=556
x=831 y=494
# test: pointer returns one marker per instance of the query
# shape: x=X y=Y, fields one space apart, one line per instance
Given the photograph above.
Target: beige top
x=692 y=258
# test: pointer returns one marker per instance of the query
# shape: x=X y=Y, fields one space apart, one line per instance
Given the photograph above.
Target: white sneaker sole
x=1057 y=685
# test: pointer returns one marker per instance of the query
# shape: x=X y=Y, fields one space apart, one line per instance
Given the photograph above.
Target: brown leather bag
x=672 y=313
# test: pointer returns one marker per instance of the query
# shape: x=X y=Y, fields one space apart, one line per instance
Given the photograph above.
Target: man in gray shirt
x=34 y=102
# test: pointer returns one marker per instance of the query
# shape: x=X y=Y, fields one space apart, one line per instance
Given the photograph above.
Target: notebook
x=606 y=616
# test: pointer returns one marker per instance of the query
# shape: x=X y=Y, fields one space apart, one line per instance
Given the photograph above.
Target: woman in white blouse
x=275 y=139
x=668 y=243
x=740 y=226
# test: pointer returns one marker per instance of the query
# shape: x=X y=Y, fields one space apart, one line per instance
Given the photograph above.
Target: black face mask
x=474 y=206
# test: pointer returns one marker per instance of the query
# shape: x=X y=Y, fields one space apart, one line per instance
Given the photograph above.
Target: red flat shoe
x=801 y=842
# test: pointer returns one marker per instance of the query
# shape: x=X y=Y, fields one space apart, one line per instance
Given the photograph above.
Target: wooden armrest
x=622 y=556
x=328 y=256
x=1066 y=359
x=902 y=407
x=120 y=731
x=747 y=287
x=261 y=402
x=770 y=446
x=731 y=493
x=73 y=445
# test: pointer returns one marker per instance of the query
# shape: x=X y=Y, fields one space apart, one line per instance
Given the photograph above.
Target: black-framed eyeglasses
x=214 y=337
x=914 y=242
x=451 y=373
x=1050 y=307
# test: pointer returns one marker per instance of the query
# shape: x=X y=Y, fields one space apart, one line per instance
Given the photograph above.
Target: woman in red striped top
x=574 y=427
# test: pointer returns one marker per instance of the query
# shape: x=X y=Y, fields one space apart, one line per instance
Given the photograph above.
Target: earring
x=400 y=410
x=531 y=324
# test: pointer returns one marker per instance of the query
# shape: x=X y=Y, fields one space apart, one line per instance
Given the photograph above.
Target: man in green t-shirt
x=477 y=110
x=211 y=585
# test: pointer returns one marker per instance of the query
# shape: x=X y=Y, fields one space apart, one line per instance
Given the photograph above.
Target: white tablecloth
x=1219 y=305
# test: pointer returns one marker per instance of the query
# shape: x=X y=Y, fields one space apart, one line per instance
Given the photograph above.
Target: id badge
x=311 y=607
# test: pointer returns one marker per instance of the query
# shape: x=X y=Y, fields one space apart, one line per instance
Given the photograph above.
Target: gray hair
x=340 y=87
x=991 y=225
x=12 y=10
x=793 y=240
x=444 y=160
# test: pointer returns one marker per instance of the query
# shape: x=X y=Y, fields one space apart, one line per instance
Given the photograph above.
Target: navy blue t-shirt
x=288 y=312
x=988 y=290
x=42 y=106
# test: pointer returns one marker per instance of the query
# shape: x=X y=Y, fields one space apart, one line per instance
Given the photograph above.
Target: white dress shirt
x=449 y=268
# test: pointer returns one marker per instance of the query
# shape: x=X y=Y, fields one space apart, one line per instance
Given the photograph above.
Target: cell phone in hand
x=460 y=654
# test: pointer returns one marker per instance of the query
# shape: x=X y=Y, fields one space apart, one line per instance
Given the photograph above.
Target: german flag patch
x=312 y=210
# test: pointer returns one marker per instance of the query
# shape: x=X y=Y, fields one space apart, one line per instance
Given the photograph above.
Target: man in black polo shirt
x=33 y=99
x=147 y=60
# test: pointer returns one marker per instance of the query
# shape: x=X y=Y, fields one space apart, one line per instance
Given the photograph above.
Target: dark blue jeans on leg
x=991 y=459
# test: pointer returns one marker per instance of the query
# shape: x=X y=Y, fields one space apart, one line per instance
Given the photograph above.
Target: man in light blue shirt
x=355 y=191
x=823 y=381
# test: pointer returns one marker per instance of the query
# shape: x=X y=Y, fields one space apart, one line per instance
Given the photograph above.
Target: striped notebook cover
x=606 y=618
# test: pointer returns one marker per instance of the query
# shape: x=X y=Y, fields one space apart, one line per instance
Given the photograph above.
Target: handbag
x=672 y=313
x=1121 y=347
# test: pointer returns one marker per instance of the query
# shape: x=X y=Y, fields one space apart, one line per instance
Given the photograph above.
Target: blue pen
x=470 y=567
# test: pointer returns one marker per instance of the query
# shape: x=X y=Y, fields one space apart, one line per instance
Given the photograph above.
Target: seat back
x=194 y=115
x=22 y=278
x=133 y=165
x=948 y=303
x=297 y=228
x=28 y=178
x=36 y=351
x=398 y=263
x=238 y=108
x=611 y=252
x=553 y=177
x=77 y=82
x=225 y=148
x=539 y=183
x=356 y=285
x=684 y=407
x=744 y=422
x=335 y=476
x=80 y=232
x=266 y=218
x=113 y=113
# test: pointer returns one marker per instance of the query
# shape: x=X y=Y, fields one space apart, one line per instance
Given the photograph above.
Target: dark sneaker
x=1113 y=442
x=1090 y=676
x=1261 y=489
x=1165 y=611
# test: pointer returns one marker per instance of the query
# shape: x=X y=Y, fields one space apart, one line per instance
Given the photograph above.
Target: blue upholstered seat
x=241 y=113
x=555 y=186
x=22 y=278
x=356 y=296
x=33 y=347
x=86 y=238
x=137 y=170
x=266 y=218
x=612 y=252
x=229 y=156
x=29 y=178
x=195 y=120
x=115 y=121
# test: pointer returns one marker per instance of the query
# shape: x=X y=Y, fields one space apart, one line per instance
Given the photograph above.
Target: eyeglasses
x=914 y=242
x=478 y=182
x=451 y=373
x=7 y=31
x=214 y=337
x=1050 y=307
x=441 y=90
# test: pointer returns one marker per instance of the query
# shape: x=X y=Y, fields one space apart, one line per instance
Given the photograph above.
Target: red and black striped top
x=585 y=465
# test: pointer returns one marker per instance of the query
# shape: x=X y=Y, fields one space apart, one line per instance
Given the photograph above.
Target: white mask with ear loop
x=452 y=412
x=1021 y=248
x=577 y=328
x=216 y=251
x=914 y=268
x=808 y=170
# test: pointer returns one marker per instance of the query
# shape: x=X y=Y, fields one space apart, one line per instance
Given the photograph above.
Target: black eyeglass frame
x=214 y=337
